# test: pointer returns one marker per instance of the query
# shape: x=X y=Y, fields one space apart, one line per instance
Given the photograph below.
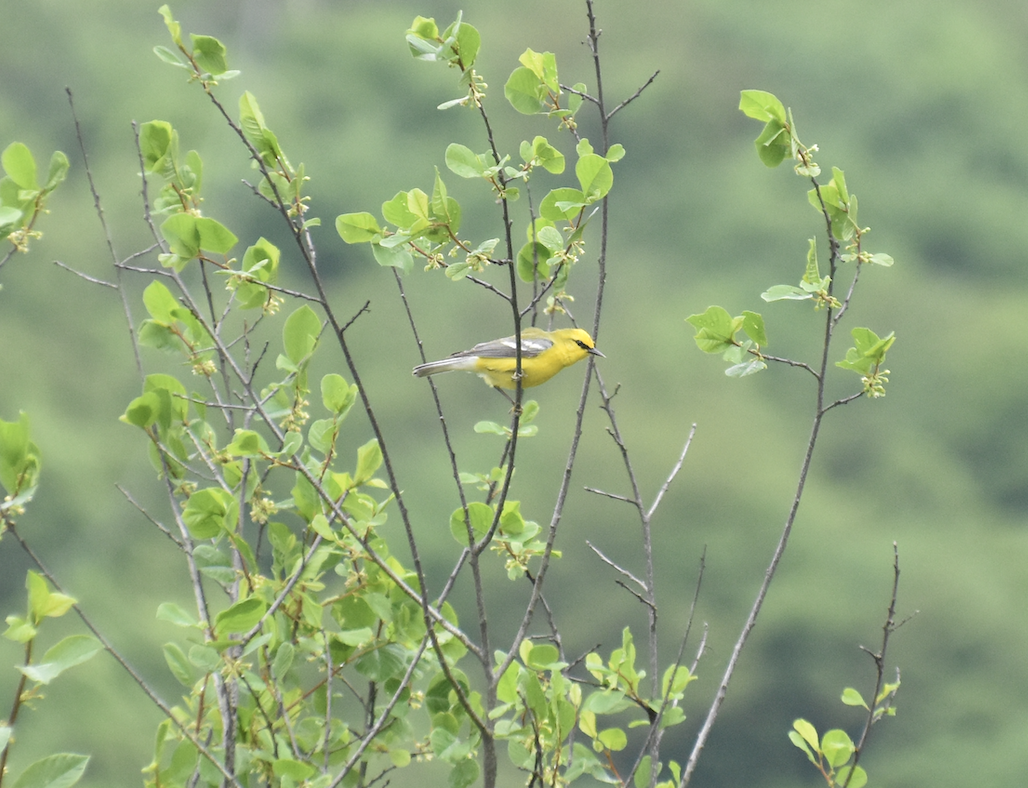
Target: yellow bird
x=543 y=355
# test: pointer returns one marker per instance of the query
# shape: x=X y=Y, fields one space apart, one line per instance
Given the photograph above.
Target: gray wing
x=504 y=348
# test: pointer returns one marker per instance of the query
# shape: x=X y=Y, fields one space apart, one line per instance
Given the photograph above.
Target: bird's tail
x=445 y=365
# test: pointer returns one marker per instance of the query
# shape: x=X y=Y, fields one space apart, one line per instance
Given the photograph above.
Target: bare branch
x=673 y=474
x=615 y=566
x=634 y=96
x=87 y=277
x=158 y=525
x=611 y=495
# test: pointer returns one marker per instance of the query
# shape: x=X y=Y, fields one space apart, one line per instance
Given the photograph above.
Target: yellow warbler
x=543 y=355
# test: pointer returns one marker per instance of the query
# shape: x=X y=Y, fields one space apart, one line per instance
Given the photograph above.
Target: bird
x=543 y=355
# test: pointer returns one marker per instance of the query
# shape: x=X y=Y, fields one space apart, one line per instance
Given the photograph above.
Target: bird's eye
x=582 y=344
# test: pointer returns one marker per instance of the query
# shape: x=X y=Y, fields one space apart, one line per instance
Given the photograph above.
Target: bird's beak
x=593 y=351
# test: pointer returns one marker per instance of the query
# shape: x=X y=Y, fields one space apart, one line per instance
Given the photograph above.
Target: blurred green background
x=923 y=105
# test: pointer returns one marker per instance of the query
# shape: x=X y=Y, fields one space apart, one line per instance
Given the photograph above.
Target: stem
x=819 y=413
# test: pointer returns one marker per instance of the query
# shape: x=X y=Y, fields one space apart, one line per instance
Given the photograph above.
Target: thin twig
x=652 y=744
x=634 y=96
x=671 y=476
x=87 y=277
x=611 y=495
x=158 y=525
x=874 y=711
x=615 y=566
x=136 y=677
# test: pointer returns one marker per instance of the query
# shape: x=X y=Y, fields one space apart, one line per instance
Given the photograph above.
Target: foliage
x=316 y=655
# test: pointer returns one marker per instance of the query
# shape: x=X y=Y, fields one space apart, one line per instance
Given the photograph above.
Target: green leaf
x=606 y=702
x=44 y=603
x=469 y=41
x=445 y=210
x=868 y=352
x=716 y=329
x=19 y=630
x=9 y=218
x=20 y=166
x=812 y=275
x=853 y=698
x=292 y=770
x=158 y=146
x=337 y=395
x=808 y=733
x=209 y=511
x=525 y=91
x=178 y=664
x=799 y=742
x=837 y=747
x=143 y=411
x=357 y=228
x=613 y=739
x=160 y=303
x=786 y=293
x=673 y=715
x=55 y=771
x=562 y=204
x=753 y=325
x=58 y=170
x=209 y=54
x=397 y=257
x=240 y=617
x=322 y=435
x=532 y=263
x=396 y=211
x=512 y=523
x=490 y=428
x=463 y=161
x=761 y=105
x=421 y=37
x=369 y=460
x=543 y=656
x=71 y=651
x=750 y=366
x=283 y=659
x=858 y=780
x=169 y=611
x=546 y=156
x=214 y=236
x=773 y=144
x=187 y=235
x=19 y=457
x=595 y=176
x=381 y=664
x=169 y=57
x=300 y=334
x=544 y=66
x=260 y=265
x=264 y=140
x=173 y=27
x=480 y=516
x=205 y=658
x=247 y=443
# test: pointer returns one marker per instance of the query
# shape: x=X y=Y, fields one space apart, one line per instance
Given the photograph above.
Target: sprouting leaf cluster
x=835 y=754
x=419 y=224
x=719 y=332
x=22 y=198
x=37 y=673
